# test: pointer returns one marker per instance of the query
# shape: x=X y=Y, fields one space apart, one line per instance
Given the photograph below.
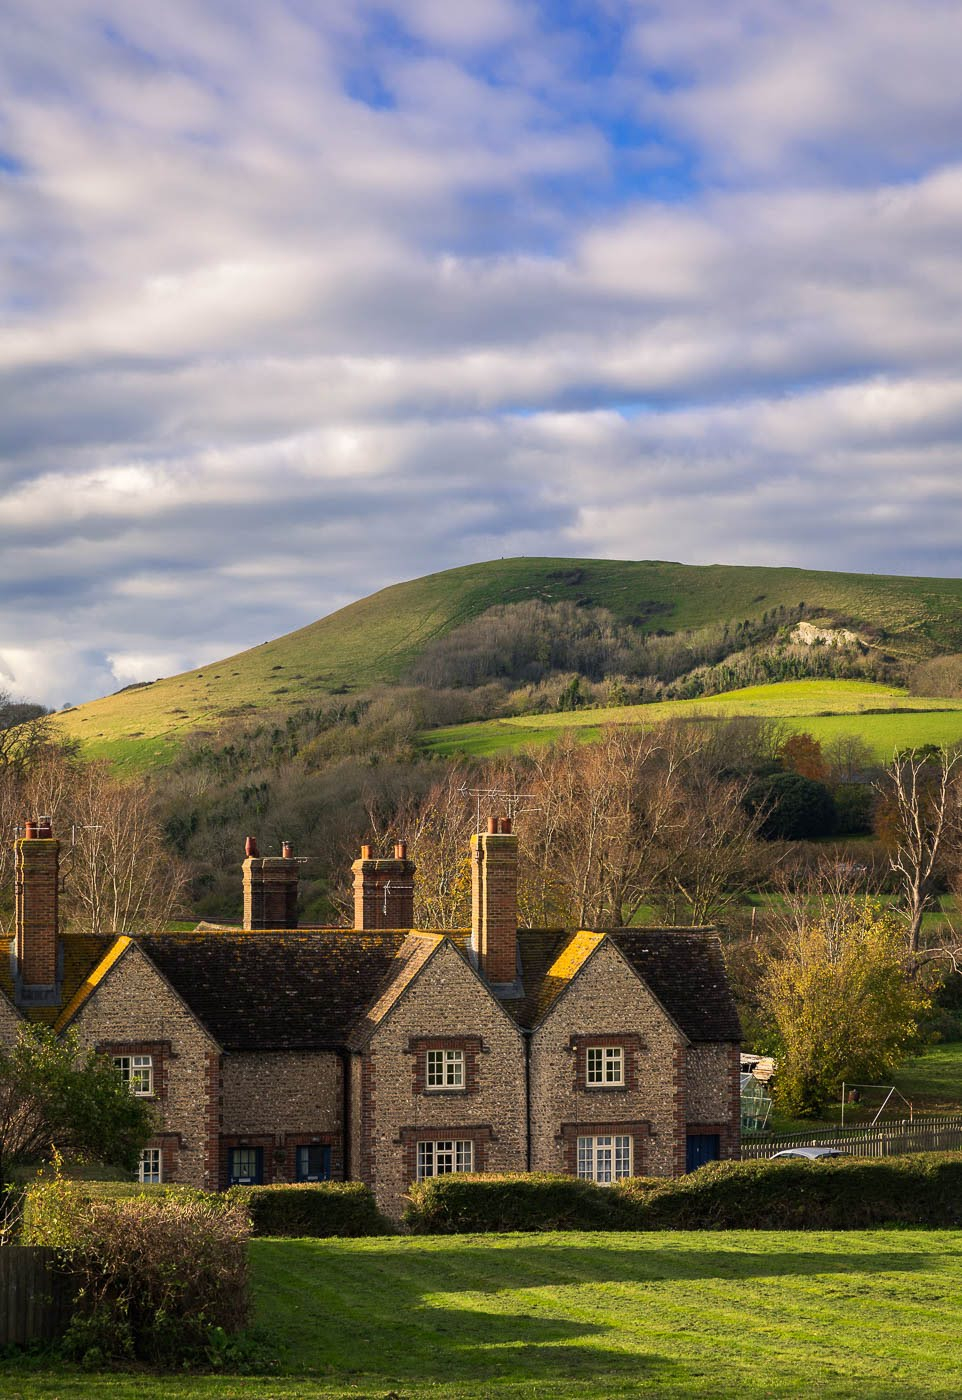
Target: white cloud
x=299 y=302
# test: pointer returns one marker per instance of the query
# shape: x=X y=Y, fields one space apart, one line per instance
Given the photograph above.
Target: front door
x=701 y=1148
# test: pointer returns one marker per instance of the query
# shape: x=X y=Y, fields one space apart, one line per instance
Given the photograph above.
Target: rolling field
x=575 y=1316
x=375 y=640
x=823 y=708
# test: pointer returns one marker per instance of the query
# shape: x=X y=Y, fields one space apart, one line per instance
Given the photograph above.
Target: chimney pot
x=250 y=846
x=287 y=850
x=506 y=826
x=492 y=826
x=366 y=852
x=30 y=831
x=400 y=850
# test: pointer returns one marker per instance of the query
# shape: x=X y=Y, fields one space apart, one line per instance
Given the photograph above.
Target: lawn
x=885 y=716
x=573 y=1316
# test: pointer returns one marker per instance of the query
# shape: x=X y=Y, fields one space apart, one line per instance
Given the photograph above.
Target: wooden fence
x=34 y=1297
x=934 y=1133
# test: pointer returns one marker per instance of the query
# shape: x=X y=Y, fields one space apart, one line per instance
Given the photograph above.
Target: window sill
x=606 y=1088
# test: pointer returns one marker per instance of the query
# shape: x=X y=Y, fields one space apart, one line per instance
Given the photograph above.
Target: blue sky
x=305 y=298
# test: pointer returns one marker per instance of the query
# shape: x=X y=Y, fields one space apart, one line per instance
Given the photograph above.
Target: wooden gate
x=34 y=1296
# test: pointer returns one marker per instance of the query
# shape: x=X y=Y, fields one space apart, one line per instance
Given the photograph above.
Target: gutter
x=346 y=1125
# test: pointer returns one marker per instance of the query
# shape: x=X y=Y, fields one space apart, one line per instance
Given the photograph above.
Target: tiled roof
x=81 y=954
x=281 y=990
x=93 y=979
x=685 y=970
x=683 y=967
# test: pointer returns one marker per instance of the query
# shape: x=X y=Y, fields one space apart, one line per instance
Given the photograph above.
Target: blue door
x=313 y=1163
x=701 y=1148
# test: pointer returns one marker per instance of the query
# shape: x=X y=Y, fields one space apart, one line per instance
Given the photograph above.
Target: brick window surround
x=630 y=1045
x=262 y=1140
x=479 y=1134
x=169 y=1145
x=471 y=1046
x=639 y=1132
x=158 y=1050
x=292 y=1141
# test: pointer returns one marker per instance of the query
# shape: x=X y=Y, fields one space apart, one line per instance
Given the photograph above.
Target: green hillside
x=376 y=639
x=886 y=717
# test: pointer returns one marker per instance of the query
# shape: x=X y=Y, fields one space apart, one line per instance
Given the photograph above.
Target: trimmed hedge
x=461 y=1204
x=840 y=1193
x=313 y=1211
x=790 y=1194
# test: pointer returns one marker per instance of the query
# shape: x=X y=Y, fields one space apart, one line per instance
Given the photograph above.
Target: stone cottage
x=386 y=1053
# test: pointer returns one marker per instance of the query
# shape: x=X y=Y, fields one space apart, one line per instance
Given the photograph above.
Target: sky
x=303 y=298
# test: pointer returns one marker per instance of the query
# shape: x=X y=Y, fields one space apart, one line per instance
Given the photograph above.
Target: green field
x=584 y=1317
x=823 y=708
x=376 y=639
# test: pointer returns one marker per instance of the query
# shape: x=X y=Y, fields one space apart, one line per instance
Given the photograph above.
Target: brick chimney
x=384 y=890
x=270 y=888
x=494 y=900
x=37 y=886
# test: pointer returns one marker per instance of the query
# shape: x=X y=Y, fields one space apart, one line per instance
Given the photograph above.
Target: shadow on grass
x=456 y=1312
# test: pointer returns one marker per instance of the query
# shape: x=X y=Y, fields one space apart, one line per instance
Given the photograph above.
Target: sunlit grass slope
x=679 y=1316
x=823 y=708
x=377 y=638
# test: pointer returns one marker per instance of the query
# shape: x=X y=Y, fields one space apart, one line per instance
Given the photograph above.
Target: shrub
x=795 y=808
x=792 y=1194
x=156 y=1277
x=317 y=1211
x=463 y=1204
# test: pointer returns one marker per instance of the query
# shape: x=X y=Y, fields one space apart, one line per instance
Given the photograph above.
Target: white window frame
x=604 y=1066
x=150 y=1168
x=137 y=1072
x=444 y=1069
x=605 y=1157
x=445 y=1156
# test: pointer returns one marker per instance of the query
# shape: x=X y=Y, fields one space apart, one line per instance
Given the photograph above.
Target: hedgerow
x=345 y=1208
x=923 y=1189
x=462 y=1204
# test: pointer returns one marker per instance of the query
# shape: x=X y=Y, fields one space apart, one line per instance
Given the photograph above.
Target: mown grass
x=933 y=1081
x=376 y=639
x=584 y=1317
x=885 y=716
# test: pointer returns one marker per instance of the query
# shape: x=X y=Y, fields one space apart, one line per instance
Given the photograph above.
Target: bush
x=795 y=808
x=316 y=1211
x=792 y=1194
x=158 y=1278
x=463 y=1204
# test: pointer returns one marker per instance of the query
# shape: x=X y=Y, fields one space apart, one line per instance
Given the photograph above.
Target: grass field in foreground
x=823 y=708
x=586 y=1317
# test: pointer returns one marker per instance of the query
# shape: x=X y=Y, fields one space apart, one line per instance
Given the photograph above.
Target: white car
x=811 y=1153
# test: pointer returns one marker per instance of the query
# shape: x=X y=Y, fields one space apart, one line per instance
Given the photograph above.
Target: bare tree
x=921 y=822
x=717 y=854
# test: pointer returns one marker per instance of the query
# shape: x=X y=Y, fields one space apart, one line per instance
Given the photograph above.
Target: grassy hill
x=886 y=717
x=376 y=639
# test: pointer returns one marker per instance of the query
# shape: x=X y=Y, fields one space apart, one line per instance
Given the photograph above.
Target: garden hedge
x=791 y=1194
x=461 y=1204
x=311 y=1210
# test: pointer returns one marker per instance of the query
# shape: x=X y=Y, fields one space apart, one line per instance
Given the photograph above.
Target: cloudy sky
x=304 y=297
